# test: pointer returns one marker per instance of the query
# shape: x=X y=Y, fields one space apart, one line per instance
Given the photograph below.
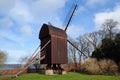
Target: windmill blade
x=73 y=11
x=76 y=47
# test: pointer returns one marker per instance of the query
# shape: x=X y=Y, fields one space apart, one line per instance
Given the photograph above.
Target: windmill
x=53 y=48
x=56 y=51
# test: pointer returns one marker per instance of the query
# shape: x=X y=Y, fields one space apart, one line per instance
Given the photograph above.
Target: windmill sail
x=73 y=11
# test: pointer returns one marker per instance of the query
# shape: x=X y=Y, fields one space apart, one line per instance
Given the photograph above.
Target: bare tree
x=73 y=53
x=95 y=38
x=3 y=57
x=108 y=26
x=83 y=45
x=92 y=38
x=23 y=60
x=89 y=42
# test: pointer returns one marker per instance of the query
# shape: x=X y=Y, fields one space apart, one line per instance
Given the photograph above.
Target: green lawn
x=69 y=76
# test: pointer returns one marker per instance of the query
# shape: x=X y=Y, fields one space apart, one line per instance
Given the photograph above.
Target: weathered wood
x=56 y=51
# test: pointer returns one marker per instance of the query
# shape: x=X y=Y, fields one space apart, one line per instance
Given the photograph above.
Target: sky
x=21 y=21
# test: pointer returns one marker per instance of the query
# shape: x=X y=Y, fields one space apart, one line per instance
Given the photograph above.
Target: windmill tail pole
x=29 y=65
x=76 y=48
x=33 y=59
x=32 y=56
x=70 y=17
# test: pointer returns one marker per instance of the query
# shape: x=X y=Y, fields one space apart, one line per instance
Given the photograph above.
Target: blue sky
x=21 y=20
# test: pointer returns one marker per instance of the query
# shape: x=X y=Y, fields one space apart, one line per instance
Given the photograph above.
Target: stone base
x=53 y=72
x=64 y=72
x=49 y=72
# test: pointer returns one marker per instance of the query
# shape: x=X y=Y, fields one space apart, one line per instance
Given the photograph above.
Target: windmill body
x=56 y=51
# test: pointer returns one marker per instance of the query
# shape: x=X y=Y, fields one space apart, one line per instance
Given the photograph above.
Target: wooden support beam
x=33 y=59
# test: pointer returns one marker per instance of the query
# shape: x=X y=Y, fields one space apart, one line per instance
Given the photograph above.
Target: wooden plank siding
x=56 y=51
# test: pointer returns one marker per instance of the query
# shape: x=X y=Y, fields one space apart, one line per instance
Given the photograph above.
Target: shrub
x=108 y=66
x=93 y=66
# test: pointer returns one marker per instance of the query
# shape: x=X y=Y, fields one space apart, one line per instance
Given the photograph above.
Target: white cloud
x=37 y=12
x=26 y=30
x=23 y=16
x=93 y=3
x=20 y=13
x=102 y=16
x=47 y=6
x=6 y=6
x=22 y=45
x=5 y=22
x=81 y=8
x=15 y=55
x=74 y=31
x=10 y=39
x=46 y=10
x=9 y=35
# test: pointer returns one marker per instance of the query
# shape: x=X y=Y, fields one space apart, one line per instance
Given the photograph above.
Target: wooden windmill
x=56 y=51
x=53 y=48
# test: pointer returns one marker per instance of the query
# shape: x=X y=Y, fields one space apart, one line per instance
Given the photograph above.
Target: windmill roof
x=49 y=30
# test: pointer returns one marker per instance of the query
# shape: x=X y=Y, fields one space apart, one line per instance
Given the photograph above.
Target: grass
x=69 y=76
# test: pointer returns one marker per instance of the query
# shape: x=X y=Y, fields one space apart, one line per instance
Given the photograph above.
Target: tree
x=95 y=38
x=3 y=57
x=110 y=49
x=105 y=49
x=23 y=60
x=110 y=45
x=108 y=26
x=83 y=46
x=73 y=53
x=94 y=41
x=117 y=49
